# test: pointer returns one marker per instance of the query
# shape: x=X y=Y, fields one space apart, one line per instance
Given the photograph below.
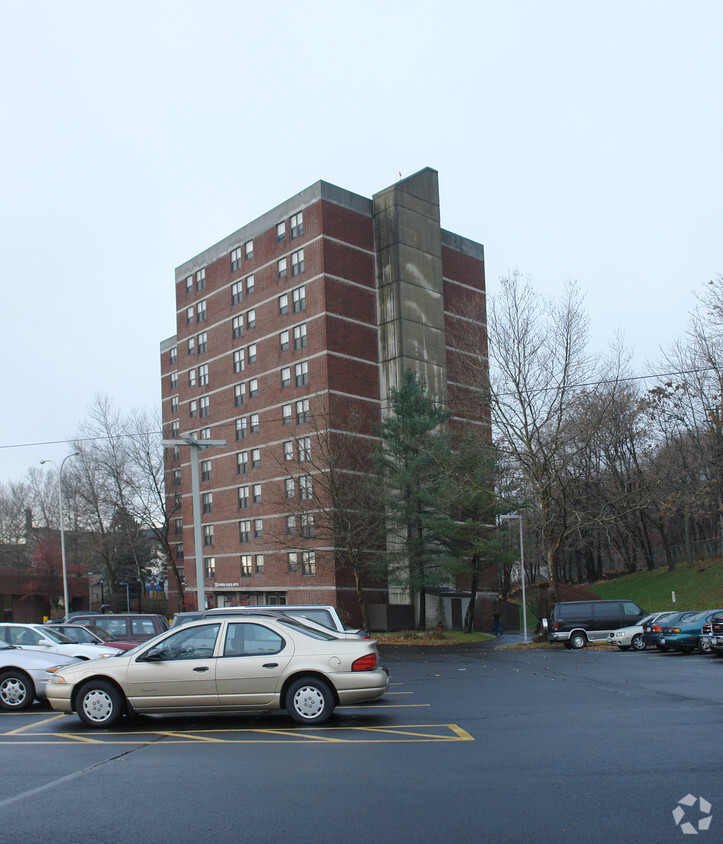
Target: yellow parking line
x=176 y=734
x=33 y=724
x=298 y=734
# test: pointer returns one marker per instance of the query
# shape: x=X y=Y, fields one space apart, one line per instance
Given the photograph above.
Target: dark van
x=575 y=623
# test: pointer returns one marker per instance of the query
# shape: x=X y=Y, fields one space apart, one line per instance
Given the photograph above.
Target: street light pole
x=504 y=517
x=66 y=604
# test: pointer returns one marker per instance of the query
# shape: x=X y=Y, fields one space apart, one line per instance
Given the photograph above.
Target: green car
x=684 y=635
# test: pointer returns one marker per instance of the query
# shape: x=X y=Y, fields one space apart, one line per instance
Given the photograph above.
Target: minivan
x=575 y=623
x=127 y=627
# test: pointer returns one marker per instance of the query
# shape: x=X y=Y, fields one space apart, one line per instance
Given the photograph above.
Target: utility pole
x=196 y=446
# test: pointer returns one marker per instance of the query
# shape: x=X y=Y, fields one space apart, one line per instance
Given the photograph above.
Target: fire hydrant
x=440 y=627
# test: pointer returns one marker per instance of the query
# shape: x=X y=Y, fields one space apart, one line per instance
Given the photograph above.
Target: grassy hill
x=697 y=587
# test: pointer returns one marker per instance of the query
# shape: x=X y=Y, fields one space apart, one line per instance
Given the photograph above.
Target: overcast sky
x=575 y=140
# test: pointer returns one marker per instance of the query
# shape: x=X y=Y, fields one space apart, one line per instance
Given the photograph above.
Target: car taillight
x=674 y=630
x=656 y=628
x=554 y=625
x=364 y=663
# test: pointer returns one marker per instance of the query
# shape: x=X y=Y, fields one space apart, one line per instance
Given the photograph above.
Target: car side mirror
x=153 y=655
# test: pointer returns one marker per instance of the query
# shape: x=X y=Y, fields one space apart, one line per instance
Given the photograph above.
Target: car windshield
x=100 y=633
x=58 y=638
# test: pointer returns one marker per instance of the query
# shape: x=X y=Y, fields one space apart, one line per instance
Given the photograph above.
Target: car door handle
x=201 y=669
x=271 y=665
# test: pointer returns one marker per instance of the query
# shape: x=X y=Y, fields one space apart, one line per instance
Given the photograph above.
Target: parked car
x=91 y=635
x=39 y=637
x=716 y=634
x=24 y=675
x=574 y=623
x=684 y=634
x=127 y=627
x=653 y=629
x=229 y=663
x=320 y=613
x=632 y=637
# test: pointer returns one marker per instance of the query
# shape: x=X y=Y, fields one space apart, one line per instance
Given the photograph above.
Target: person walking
x=497 y=619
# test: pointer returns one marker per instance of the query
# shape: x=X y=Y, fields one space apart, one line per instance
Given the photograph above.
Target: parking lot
x=472 y=744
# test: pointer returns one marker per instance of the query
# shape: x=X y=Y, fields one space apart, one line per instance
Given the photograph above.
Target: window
x=280 y=232
x=178 y=527
x=237 y=326
x=175 y=429
x=202 y=342
x=255 y=458
x=288 y=450
x=239 y=395
x=189 y=315
x=255 y=423
x=203 y=375
x=201 y=311
x=204 y=434
x=243 y=497
x=205 y=470
x=175 y=457
x=290 y=525
x=239 y=360
x=191 y=345
x=286 y=377
x=301 y=374
x=284 y=303
x=259 y=563
x=252 y=353
x=173 y=356
x=297 y=225
x=249 y=249
x=189 y=283
x=284 y=340
x=174 y=380
x=253 y=387
x=241 y=427
x=242 y=462
x=308 y=563
x=191 y=377
x=286 y=414
x=205 y=407
x=236 y=292
x=207 y=502
x=257 y=493
x=250 y=284
x=193 y=408
x=258 y=528
x=305 y=488
x=174 y=404
x=300 y=337
x=208 y=535
x=210 y=566
x=246 y=565
x=235 y=259
x=303 y=416
x=281 y=268
x=307 y=524
x=290 y=488
x=201 y=279
x=304 y=446
x=251 y=319
x=298 y=297
x=244 y=530
x=297 y=262
x=292 y=561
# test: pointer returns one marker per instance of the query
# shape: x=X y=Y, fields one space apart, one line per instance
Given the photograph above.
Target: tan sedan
x=230 y=664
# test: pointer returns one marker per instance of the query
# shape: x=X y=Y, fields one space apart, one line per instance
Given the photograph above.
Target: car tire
x=578 y=640
x=637 y=642
x=17 y=691
x=662 y=648
x=100 y=704
x=309 y=701
x=623 y=647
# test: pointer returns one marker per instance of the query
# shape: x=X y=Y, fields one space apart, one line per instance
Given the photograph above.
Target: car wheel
x=100 y=704
x=704 y=649
x=623 y=647
x=662 y=648
x=637 y=642
x=578 y=640
x=309 y=701
x=17 y=691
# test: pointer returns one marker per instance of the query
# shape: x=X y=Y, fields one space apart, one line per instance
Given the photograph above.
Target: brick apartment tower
x=314 y=309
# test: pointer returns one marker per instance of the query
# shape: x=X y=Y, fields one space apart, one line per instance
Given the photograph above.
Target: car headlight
x=56 y=679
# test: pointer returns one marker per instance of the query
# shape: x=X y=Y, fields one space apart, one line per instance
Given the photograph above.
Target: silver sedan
x=24 y=675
